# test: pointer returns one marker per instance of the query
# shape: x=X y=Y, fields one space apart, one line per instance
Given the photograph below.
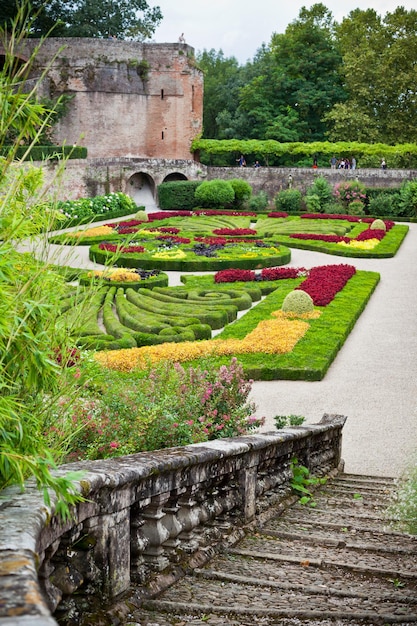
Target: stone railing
x=145 y=516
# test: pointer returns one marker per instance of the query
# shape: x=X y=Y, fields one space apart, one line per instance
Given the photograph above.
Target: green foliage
x=43 y=153
x=177 y=195
x=301 y=482
x=297 y=301
x=408 y=199
x=288 y=200
x=133 y=19
x=403 y=509
x=214 y=193
x=319 y=195
x=356 y=207
x=242 y=189
x=258 y=202
x=282 y=421
x=384 y=204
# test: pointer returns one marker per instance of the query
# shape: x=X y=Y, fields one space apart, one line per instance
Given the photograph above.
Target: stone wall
x=91 y=177
x=147 y=516
x=127 y=98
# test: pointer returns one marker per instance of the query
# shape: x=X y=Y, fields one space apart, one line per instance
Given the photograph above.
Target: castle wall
x=128 y=99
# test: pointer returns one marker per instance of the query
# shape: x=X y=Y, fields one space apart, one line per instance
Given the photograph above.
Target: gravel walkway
x=373 y=378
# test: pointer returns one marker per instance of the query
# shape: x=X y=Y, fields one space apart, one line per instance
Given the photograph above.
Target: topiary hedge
x=177 y=195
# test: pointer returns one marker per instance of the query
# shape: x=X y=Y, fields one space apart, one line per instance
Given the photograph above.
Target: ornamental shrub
x=297 y=302
x=356 y=207
x=378 y=225
x=289 y=200
x=214 y=193
x=408 y=199
x=178 y=194
x=243 y=191
x=319 y=195
x=384 y=204
x=258 y=202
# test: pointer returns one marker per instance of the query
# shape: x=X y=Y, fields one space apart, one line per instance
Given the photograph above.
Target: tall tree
x=222 y=81
x=380 y=73
x=124 y=19
x=298 y=81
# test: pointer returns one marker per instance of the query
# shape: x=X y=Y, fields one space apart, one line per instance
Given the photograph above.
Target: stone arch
x=141 y=188
x=174 y=176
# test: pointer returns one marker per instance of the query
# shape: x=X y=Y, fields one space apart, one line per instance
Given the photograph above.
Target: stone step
x=337 y=563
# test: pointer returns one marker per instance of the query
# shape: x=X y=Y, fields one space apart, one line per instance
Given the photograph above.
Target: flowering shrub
x=324 y=282
x=167 y=406
x=85 y=208
x=346 y=192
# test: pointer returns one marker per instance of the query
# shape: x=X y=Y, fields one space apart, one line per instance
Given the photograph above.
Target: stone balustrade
x=145 y=516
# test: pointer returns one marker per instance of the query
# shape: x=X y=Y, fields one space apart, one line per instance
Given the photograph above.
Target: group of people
x=242 y=162
x=343 y=164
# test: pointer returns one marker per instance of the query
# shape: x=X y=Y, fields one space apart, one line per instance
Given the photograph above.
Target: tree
x=124 y=19
x=380 y=76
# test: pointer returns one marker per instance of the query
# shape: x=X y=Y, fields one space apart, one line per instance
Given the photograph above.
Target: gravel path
x=373 y=378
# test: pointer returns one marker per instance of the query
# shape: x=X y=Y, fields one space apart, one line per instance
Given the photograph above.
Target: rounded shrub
x=356 y=207
x=297 y=301
x=378 y=225
x=288 y=200
x=214 y=193
x=242 y=189
x=258 y=202
x=142 y=216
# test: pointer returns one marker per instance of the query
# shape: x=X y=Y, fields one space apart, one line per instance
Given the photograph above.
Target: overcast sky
x=239 y=27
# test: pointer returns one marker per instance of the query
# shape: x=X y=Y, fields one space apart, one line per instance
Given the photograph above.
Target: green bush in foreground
x=404 y=508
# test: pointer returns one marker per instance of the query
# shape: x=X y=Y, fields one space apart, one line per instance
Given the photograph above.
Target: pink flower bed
x=234 y=231
x=111 y=247
x=324 y=282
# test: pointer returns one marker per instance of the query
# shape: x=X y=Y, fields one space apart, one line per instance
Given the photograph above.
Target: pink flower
x=114 y=444
x=190 y=422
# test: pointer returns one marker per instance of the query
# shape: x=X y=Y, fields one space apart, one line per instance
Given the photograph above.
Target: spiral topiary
x=378 y=225
x=297 y=301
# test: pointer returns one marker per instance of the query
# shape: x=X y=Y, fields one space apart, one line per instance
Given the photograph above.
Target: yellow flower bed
x=96 y=231
x=274 y=336
x=169 y=254
x=369 y=244
x=121 y=275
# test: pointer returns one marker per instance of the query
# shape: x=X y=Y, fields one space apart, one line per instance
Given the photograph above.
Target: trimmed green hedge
x=177 y=195
x=160 y=280
x=42 y=153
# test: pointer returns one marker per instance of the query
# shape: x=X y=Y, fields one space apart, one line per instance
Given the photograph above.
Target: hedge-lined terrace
x=271 y=345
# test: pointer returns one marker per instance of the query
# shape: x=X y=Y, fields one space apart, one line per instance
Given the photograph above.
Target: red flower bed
x=277 y=214
x=174 y=239
x=277 y=273
x=234 y=231
x=111 y=247
x=370 y=233
x=324 y=282
x=128 y=224
x=328 y=238
x=212 y=212
x=267 y=273
x=168 y=229
x=212 y=241
x=232 y=276
x=161 y=215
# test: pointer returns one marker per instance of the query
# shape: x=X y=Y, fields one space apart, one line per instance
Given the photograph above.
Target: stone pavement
x=372 y=379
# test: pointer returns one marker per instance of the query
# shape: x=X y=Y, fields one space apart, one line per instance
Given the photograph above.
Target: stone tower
x=127 y=99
